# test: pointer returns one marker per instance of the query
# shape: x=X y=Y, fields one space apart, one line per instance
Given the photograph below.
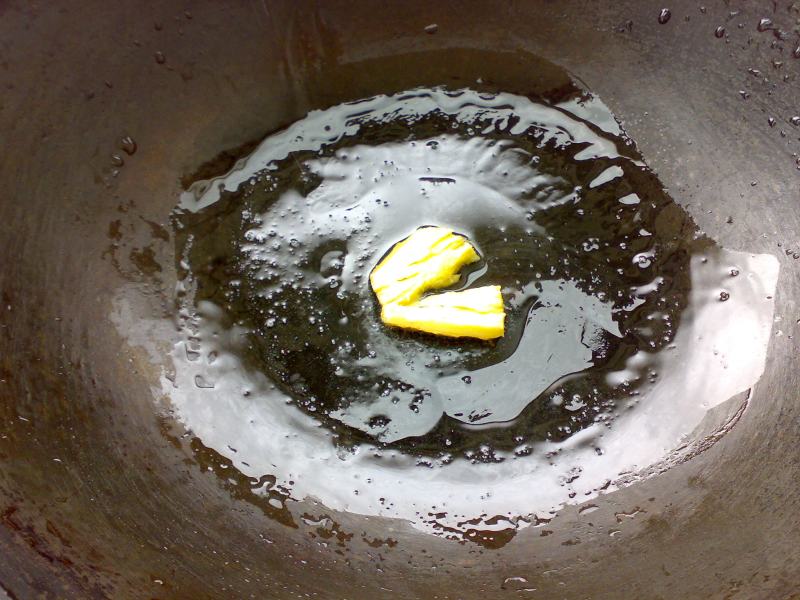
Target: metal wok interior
x=102 y=494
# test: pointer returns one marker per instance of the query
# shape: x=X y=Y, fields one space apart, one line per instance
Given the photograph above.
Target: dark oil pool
x=625 y=324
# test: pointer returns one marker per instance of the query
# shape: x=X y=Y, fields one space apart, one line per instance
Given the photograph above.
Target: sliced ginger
x=429 y=259
x=477 y=313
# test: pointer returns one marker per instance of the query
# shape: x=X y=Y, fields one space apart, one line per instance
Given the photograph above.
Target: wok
x=101 y=492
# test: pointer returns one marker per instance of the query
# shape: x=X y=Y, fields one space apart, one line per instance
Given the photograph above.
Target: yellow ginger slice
x=476 y=313
x=429 y=259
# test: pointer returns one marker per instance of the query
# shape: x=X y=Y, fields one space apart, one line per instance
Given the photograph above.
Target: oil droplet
x=160 y=58
x=116 y=160
x=796 y=52
x=128 y=145
x=771 y=121
x=795 y=121
x=719 y=32
x=764 y=24
x=664 y=15
x=202 y=382
x=517 y=584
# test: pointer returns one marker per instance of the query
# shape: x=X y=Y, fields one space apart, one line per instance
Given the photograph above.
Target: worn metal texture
x=100 y=496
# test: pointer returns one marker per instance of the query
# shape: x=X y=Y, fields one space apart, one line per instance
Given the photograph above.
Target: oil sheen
x=624 y=323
